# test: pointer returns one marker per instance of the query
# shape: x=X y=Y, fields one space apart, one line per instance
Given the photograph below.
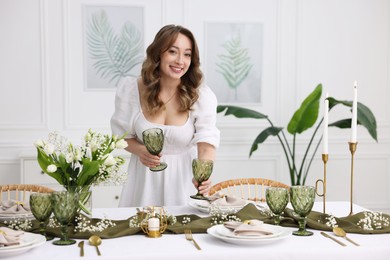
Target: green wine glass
x=65 y=205
x=302 y=199
x=154 y=142
x=201 y=170
x=41 y=207
x=277 y=199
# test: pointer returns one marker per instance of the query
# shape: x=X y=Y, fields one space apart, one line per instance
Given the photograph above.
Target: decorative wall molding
x=43 y=32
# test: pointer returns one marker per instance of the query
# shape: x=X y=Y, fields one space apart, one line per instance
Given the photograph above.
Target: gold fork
x=189 y=237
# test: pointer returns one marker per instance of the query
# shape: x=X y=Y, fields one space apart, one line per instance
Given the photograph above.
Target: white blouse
x=173 y=186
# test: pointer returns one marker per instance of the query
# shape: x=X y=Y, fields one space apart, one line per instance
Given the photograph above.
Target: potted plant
x=303 y=119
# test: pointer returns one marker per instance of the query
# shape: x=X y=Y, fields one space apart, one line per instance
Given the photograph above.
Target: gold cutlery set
x=93 y=241
x=338 y=231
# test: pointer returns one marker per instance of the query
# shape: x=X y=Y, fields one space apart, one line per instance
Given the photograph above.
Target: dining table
x=176 y=246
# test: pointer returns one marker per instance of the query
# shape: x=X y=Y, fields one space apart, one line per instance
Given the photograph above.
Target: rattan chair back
x=20 y=192
x=246 y=188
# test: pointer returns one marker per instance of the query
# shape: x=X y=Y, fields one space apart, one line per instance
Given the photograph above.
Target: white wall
x=306 y=42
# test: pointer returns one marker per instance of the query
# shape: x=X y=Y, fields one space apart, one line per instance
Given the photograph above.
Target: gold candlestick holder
x=323 y=181
x=352 y=149
x=146 y=216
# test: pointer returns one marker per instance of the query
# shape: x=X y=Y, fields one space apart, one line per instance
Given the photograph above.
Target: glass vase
x=85 y=201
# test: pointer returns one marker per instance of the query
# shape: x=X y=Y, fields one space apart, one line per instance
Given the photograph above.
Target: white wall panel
x=22 y=102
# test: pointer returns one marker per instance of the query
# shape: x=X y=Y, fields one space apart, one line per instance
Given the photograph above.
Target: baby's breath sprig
x=134 y=222
x=328 y=219
x=219 y=217
x=186 y=220
x=83 y=224
x=373 y=221
x=53 y=223
x=19 y=224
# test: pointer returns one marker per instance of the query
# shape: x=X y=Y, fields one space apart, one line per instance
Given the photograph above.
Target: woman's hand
x=204 y=187
x=139 y=149
x=148 y=159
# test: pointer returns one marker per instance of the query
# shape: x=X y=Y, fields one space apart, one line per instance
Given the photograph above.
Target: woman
x=169 y=95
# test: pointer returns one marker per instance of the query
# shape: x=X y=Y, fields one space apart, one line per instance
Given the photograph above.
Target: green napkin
x=315 y=220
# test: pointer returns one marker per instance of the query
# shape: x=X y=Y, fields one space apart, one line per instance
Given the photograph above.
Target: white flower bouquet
x=79 y=167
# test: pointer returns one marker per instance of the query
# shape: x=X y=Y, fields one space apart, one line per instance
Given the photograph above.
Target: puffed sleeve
x=126 y=108
x=205 y=116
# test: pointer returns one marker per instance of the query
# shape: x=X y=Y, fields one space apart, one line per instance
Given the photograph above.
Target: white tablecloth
x=171 y=246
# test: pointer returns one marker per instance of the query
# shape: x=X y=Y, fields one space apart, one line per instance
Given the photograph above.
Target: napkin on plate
x=14 y=207
x=252 y=227
x=9 y=237
x=227 y=200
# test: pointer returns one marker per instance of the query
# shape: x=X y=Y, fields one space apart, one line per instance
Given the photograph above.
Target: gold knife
x=81 y=245
x=334 y=239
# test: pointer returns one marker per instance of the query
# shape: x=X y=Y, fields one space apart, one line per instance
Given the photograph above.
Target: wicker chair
x=20 y=192
x=246 y=188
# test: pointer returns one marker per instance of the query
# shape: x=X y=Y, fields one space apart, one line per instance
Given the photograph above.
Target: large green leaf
x=87 y=175
x=270 y=131
x=306 y=116
x=364 y=117
x=241 y=112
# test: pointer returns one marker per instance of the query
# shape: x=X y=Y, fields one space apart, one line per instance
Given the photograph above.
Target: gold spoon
x=341 y=233
x=95 y=241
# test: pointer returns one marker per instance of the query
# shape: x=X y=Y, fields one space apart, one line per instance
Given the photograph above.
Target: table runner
x=374 y=223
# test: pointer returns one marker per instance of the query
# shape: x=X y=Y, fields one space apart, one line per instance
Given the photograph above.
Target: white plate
x=202 y=205
x=13 y=216
x=25 y=240
x=213 y=231
x=276 y=231
x=37 y=240
x=205 y=206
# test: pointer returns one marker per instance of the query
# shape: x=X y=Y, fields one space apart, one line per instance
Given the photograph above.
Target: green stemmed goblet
x=154 y=141
x=302 y=199
x=277 y=199
x=201 y=169
x=41 y=208
x=65 y=205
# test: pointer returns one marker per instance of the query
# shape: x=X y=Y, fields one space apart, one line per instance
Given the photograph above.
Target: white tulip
x=110 y=160
x=39 y=143
x=112 y=146
x=88 y=153
x=88 y=137
x=121 y=144
x=49 y=148
x=93 y=146
x=77 y=154
x=69 y=157
x=51 y=168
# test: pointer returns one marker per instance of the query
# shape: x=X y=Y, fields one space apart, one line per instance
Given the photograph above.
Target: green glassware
x=154 y=142
x=201 y=169
x=302 y=199
x=41 y=208
x=65 y=205
x=277 y=199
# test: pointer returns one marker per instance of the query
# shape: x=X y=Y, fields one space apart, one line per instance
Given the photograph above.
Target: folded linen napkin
x=252 y=227
x=227 y=200
x=14 y=207
x=9 y=237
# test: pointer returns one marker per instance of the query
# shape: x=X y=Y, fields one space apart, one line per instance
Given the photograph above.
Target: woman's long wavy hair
x=190 y=81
